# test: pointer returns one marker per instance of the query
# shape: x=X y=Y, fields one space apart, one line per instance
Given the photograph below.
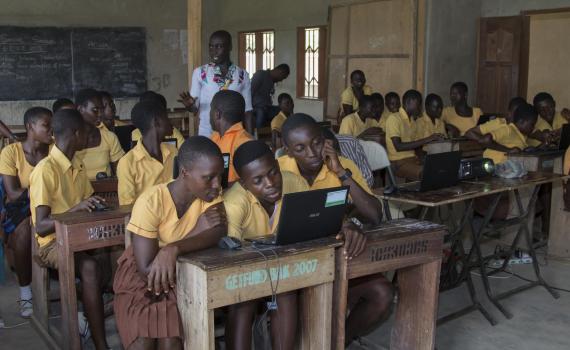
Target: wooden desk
x=76 y=232
x=214 y=278
x=414 y=248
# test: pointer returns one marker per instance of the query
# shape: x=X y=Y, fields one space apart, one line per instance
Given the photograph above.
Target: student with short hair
x=363 y=122
x=549 y=121
x=317 y=162
x=151 y=161
x=430 y=122
x=59 y=184
x=226 y=117
x=379 y=109
x=350 y=97
x=400 y=137
x=392 y=105
x=168 y=220
x=62 y=103
x=460 y=117
x=262 y=90
x=477 y=133
x=103 y=149
x=16 y=164
x=286 y=106
x=109 y=116
x=511 y=138
x=253 y=207
x=158 y=98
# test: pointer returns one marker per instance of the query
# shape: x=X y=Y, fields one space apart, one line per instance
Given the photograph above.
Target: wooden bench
x=414 y=249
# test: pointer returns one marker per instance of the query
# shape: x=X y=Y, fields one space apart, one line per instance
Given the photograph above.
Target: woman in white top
x=219 y=74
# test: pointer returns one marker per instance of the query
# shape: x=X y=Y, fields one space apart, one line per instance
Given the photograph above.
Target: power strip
x=514 y=261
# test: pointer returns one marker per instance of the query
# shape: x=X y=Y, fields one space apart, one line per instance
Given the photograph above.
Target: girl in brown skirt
x=167 y=220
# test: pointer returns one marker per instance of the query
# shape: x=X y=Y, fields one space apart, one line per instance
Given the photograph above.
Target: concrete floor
x=539 y=322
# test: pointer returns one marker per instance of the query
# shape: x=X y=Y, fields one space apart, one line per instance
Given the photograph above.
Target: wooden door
x=499 y=55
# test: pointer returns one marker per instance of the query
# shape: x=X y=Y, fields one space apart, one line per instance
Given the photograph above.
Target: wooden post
x=194 y=36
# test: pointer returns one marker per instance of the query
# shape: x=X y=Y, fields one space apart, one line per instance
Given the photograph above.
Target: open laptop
x=563 y=143
x=439 y=171
x=309 y=215
x=123 y=133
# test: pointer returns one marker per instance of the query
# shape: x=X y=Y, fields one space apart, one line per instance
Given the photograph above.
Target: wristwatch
x=347 y=175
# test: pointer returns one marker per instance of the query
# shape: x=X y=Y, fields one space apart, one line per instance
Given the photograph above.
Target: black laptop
x=123 y=133
x=309 y=215
x=439 y=171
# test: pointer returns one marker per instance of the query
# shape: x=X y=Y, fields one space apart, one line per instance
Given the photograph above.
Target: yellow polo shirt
x=278 y=121
x=232 y=139
x=384 y=118
x=154 y=216
x=399 y=125
x=509 y=136
x=13 y=163
x=347 y=97
x=449 y=116
x=138 y=171
x=325 y=178
x=59 y=184
x=98 y=159
x=424 y=127
x=246 y=216
x=492 y=125
x=353 y=126
x=543 y=125
x=176 y=134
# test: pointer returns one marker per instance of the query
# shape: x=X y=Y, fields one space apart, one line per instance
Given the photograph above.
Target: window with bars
x=311 y=53
x=256 y=50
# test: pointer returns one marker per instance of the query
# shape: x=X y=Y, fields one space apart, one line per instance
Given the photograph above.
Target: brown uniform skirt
x=137 y=315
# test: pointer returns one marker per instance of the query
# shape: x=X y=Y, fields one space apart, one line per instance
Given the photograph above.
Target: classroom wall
x=451 y=45
x=497 y=8
x=167 y=73
x=282 y=16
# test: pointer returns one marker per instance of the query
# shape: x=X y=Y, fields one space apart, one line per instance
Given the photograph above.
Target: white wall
x=166 y=72
x=282 y=16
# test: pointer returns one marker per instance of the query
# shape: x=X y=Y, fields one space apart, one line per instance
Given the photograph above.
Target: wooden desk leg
x=417 y=304
x=69 y=321
x=340 y=295
x=197 y=319
x=316 y=317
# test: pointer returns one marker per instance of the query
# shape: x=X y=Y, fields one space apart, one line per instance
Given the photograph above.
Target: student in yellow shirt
x=16 y=163
x=478 y=132
x=460 y=117
x=317 y=162
x=103 y=149
x=109 y=116
x=379 y=110
x=151 y=161
x=167 y=221
x=350 y=97
x=59 y=184
x=253 y=206
x=400 y=137
x=286 y=106
x=153 y=96
x=362 y=123
x=430 y=122
x=549 y=123
x=510 y=138
x=393 y=104
x=62 y=103
x=226 y=117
